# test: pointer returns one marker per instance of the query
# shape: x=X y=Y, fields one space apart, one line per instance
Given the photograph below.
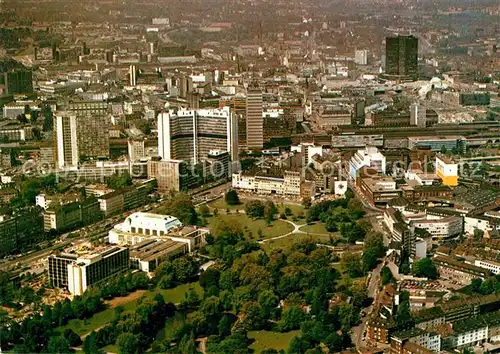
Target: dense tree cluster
x=232 y=198
x=425 y=268
x=181 y=206
x=357 y=265
x=178 y=271
x=32 y=334
x=119 y=180
x=132 y=333
x=255 y=290
x=404 y=318
x=246 y=289
x=340 y=215
x=485 y=287
x=29 y=188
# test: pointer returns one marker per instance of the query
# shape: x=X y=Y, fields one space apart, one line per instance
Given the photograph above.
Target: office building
x=16 y=133
x=18 y=82
x=132 y=73
x=308 y=150
x=402 y=56
x=289 y=184
x=436 y=143
x=361 y=57
x=123 y=199
x=405 y=235
x=65 y=127
x=89 y=108
x=351 y=140
x=20 y=232
x=377 y=189
x=447 y=170
x=441 y=228
x=149 y=254
x=71 y=215
x=370 y=157
x=136 y=150
x=174 y=175
x=190 y=135
x=77 y=273
x=185 y=86
x=92 y=128
x=254 y=119
x=217 y=165
x=12 y=110
x=418 y=115
x=58 y=269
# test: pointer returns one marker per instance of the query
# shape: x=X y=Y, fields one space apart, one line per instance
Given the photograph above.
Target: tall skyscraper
x=254 y=119
x=164 y=135
x=234 y=143
x=65 y=126
x=92 y=128
x=132 y=72
x=190 y=135
x=402 y=56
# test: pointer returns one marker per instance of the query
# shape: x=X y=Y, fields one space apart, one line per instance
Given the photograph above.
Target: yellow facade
x=451 y=181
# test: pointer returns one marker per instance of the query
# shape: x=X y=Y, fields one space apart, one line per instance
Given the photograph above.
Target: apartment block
x=462 y=272
x=447 y=170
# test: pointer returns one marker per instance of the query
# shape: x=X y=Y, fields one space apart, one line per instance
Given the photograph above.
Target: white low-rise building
x=483 y=223
x=442 y=228
x=149 y=224
x=139 y=227
x=369 y=157
x=288 y=185
x=492 y=266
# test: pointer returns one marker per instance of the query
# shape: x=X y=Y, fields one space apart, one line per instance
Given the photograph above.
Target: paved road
x=357 y=332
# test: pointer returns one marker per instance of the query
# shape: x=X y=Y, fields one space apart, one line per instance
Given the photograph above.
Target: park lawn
x=316 y=228
x=102 y=318
x=222 y=205
x=251 y=226
x=112 y=348
x=287 y=242
x=296 y=210
x=271 y=340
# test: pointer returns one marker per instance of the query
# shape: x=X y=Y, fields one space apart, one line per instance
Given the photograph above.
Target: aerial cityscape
x=250 y=176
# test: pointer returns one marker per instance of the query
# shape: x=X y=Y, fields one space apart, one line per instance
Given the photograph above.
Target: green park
x=277 y=282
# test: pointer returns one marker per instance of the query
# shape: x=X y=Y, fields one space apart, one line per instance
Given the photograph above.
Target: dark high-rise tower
x=401 y=54
x=18 y=82
x=254 y=119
